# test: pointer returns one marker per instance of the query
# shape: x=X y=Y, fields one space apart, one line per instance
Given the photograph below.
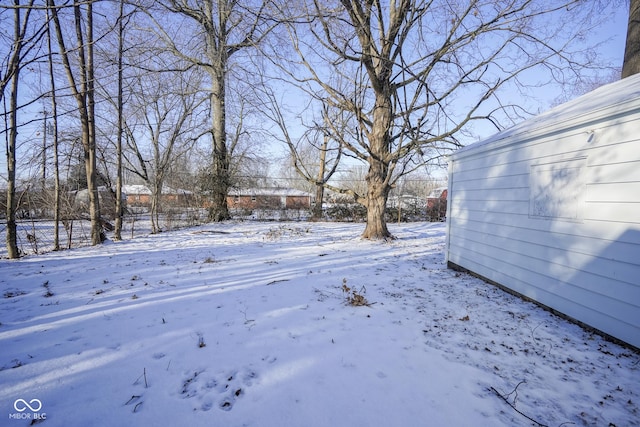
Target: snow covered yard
x=246 y=324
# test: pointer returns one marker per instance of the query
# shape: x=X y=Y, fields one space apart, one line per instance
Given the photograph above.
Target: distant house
x=106 y=201
x=550 y=209
x=177 y=196
x=269 y=198
x=137 y=195
x=437 y=204
x=140 y=196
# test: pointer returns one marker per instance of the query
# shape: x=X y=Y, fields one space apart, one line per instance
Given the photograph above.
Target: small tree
x=57 y=201
x=23 y=41
x=167 y=111
x=117 y=233
x=315 y=156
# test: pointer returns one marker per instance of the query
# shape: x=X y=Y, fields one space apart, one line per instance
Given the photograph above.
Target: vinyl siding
x=551 y=210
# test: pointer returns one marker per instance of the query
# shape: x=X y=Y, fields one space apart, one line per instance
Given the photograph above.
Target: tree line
x=143 y=88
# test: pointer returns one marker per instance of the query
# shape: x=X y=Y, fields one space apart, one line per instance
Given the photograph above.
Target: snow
x=246 y=324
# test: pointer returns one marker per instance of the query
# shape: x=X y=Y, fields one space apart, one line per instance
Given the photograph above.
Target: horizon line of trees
x=159 y=90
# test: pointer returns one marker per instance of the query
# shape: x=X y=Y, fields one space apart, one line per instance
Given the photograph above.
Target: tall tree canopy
x=222 y=28
x=415 y=74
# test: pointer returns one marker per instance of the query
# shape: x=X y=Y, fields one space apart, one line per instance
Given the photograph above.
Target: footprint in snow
x=269 y=359
x=230 y=384
x=206 y=405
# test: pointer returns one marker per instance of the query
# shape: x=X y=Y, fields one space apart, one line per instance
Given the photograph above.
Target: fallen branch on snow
x=505 y=398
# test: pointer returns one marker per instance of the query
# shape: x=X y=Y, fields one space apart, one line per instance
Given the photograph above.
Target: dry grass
x=354 y=297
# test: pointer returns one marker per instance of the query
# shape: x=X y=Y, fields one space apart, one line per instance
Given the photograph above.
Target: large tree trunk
x=12 y=229
x=376 y=202
x=316 y=212
x=219 y=210
x=631 y=63
x=378 y=176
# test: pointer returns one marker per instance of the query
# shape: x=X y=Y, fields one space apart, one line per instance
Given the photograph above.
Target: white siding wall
x=554 y=214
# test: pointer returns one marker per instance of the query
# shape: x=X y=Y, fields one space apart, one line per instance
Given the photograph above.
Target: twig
x=515 y=390
x=277 y=281
x=144 y=372
x=247 y=321
x=326 y=292
x=533 y=331
x=133 y=399
x=513 y=406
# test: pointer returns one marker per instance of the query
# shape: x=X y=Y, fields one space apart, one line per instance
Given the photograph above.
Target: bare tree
x=56 y=160
x=223 y=28
x=168 y=115
x=245 y=138
x=315 y=155
x=631 y=63
x=323 y=175
x=117 y=232
x=415 y=74
x=83 y=88
x=24 y=40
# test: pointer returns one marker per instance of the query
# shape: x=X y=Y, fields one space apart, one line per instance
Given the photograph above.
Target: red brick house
x=268 y=198
x=437 y=204
x=140 y=196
